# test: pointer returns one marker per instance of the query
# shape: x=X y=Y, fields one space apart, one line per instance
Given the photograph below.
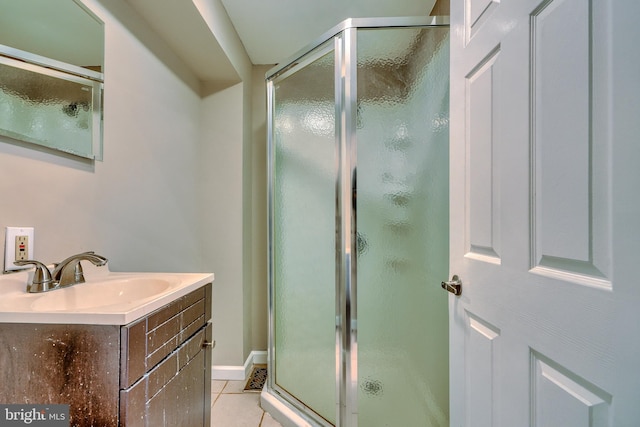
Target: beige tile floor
x=233 y=407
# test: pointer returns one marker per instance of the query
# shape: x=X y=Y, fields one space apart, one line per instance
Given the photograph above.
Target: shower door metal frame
x=345 y=50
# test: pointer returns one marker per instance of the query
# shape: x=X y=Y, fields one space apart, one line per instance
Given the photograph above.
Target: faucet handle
x=42 y=280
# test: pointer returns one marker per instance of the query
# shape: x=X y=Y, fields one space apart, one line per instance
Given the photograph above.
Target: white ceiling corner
x=271 y=31
x=181 y=26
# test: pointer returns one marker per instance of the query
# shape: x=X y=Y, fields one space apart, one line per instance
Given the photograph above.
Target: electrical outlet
x=22 y=248
x=18 y=246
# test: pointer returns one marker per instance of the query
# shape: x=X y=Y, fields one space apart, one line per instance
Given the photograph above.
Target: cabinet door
x=176 y=392
x=148 y=341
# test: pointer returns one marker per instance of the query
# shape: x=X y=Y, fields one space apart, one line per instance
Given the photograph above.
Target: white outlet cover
x=10 y=246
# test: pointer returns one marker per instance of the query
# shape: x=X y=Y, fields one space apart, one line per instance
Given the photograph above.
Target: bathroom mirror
x=51 y=65
x=64 y=30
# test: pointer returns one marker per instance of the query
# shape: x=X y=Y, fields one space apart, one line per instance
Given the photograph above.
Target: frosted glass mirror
x=51 y=74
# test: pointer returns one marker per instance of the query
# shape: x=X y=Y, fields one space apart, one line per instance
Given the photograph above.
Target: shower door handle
x=454 y=285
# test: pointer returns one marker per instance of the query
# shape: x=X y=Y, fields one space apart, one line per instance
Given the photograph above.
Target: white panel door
x=545 y=213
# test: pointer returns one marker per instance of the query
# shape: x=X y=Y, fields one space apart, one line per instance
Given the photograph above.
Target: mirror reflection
x=51 y=63
x=63 y=30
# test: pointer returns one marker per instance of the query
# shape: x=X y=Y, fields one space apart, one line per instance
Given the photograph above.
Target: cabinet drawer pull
x=208 y=344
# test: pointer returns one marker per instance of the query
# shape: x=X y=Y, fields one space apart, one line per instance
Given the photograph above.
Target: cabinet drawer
x=148 y=341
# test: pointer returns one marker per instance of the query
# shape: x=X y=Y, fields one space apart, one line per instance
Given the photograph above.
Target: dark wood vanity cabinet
x=153 y=372
x=162 y=382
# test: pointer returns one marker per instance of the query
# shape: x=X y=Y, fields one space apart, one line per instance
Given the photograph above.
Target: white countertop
x=107 y=298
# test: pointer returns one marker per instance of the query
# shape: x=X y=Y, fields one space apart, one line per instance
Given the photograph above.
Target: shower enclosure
x=358 y=227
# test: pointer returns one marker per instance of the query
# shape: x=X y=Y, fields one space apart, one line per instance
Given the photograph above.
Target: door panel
x=570 y=204
x=582 y=403
x=483 y=222
x=535 y=335
x=482 y=340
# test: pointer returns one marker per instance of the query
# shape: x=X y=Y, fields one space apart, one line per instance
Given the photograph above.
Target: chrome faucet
x=66 y=273
x=69 y=272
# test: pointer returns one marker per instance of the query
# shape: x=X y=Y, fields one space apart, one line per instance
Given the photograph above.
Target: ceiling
x=272 y=31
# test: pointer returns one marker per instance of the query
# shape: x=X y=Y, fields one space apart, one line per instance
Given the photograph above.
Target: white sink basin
x=104 y=293
x=107 y=298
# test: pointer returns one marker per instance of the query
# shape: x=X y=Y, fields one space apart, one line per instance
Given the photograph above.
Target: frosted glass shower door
x=304 y=223
x=402 y=226
x=359 y=229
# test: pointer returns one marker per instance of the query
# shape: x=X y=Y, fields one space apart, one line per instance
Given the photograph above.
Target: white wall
x=175 y=189
x=138 y=206
x=222 y=218
x=259 y=209
x=233 y=326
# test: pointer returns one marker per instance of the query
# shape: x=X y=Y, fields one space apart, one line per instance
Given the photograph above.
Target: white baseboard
x=227 y=373
x=258 y=358
x=238 y=373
